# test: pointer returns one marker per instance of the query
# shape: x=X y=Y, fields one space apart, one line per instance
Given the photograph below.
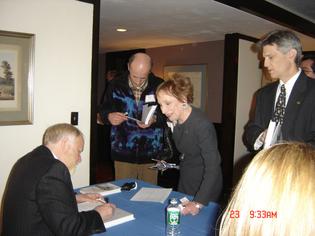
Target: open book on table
x=120 y=216
x=103 y=189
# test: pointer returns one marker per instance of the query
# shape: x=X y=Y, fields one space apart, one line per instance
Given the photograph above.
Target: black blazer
x=39 y=200
x=299 y=118
x=200 y=170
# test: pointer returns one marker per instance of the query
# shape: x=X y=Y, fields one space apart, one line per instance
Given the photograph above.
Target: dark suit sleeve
x=256 y=125
x=58 y=207
x=211 y=184
x=312 y=133
x=299 y=121
x=309 y=136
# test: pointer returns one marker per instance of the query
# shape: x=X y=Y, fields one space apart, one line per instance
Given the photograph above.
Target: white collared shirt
x=55 y=156
x=288 y=87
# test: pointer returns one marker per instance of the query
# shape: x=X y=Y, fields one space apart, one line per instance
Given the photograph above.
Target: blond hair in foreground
x=280 y=179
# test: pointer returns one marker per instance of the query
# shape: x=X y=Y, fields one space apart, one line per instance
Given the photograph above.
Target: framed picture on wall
x=197 y=75
x=16 y=78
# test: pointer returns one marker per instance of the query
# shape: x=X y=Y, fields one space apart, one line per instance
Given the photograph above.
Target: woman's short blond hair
x=280 y=181
x=178 y=86
x=56 y=132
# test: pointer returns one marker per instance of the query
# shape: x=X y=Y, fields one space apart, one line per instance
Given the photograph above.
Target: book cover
x=120 y=216
x=147 y=113
x=103 y=189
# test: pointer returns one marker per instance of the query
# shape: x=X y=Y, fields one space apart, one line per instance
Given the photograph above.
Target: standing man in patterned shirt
x=133 y=143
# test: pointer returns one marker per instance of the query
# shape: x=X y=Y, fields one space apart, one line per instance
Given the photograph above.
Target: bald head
x=139 y=67
x=140 y=59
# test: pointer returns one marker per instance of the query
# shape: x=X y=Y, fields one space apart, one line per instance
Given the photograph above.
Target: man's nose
x=139 y=81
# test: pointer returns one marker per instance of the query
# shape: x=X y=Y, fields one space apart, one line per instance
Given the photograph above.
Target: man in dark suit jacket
x=282 y=53
x=39 y=197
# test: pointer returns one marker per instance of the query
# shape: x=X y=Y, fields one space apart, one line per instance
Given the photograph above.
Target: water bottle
x=173 y=218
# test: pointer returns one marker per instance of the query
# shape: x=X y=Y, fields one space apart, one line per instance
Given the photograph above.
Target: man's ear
x=64 y=144
x=61 y=148
x=292 y=54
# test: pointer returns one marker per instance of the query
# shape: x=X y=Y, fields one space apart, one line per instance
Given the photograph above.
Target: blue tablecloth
x=150 y=216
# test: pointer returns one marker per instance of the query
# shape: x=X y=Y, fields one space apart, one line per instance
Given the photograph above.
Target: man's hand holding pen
x=103 y=199
x=116 y=118
x=105 y=210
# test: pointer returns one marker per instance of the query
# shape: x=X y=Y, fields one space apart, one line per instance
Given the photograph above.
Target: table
x=150 y=216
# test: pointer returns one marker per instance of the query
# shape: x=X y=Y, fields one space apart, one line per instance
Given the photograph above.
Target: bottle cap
x=173 y=201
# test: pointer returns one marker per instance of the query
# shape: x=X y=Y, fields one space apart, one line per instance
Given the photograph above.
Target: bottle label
x=173 y=216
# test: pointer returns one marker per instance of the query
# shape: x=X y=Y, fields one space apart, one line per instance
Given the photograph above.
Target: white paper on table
x=152 y=195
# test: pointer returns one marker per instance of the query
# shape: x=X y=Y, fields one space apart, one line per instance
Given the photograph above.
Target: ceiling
x=302 y=8
x=158 y=23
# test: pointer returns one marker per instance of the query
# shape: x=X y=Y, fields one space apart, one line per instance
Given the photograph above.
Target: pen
x=103 y=200
x=131 y=118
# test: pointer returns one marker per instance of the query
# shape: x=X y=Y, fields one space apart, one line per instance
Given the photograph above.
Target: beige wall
x=62 y=80
x=249 y=81
x=308 y=43
x=209 y=53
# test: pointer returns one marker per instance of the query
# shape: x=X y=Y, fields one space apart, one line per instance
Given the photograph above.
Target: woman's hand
x=191 y=208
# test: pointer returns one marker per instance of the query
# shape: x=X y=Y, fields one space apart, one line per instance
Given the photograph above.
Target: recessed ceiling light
x=121 y=30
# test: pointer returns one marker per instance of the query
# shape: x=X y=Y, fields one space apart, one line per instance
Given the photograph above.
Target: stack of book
x=103 y=189
x=120 y=216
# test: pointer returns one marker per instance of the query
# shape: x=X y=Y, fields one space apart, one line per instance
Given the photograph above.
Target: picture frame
x=197 y=75
x=16 y=78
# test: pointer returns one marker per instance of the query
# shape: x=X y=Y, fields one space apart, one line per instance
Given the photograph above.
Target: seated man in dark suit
x=39 y=197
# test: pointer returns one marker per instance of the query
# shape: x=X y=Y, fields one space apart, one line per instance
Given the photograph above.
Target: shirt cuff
x=258 y=143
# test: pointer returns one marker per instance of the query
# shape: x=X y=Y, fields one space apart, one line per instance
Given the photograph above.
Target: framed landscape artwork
x=16 y=78
x=197 y=75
